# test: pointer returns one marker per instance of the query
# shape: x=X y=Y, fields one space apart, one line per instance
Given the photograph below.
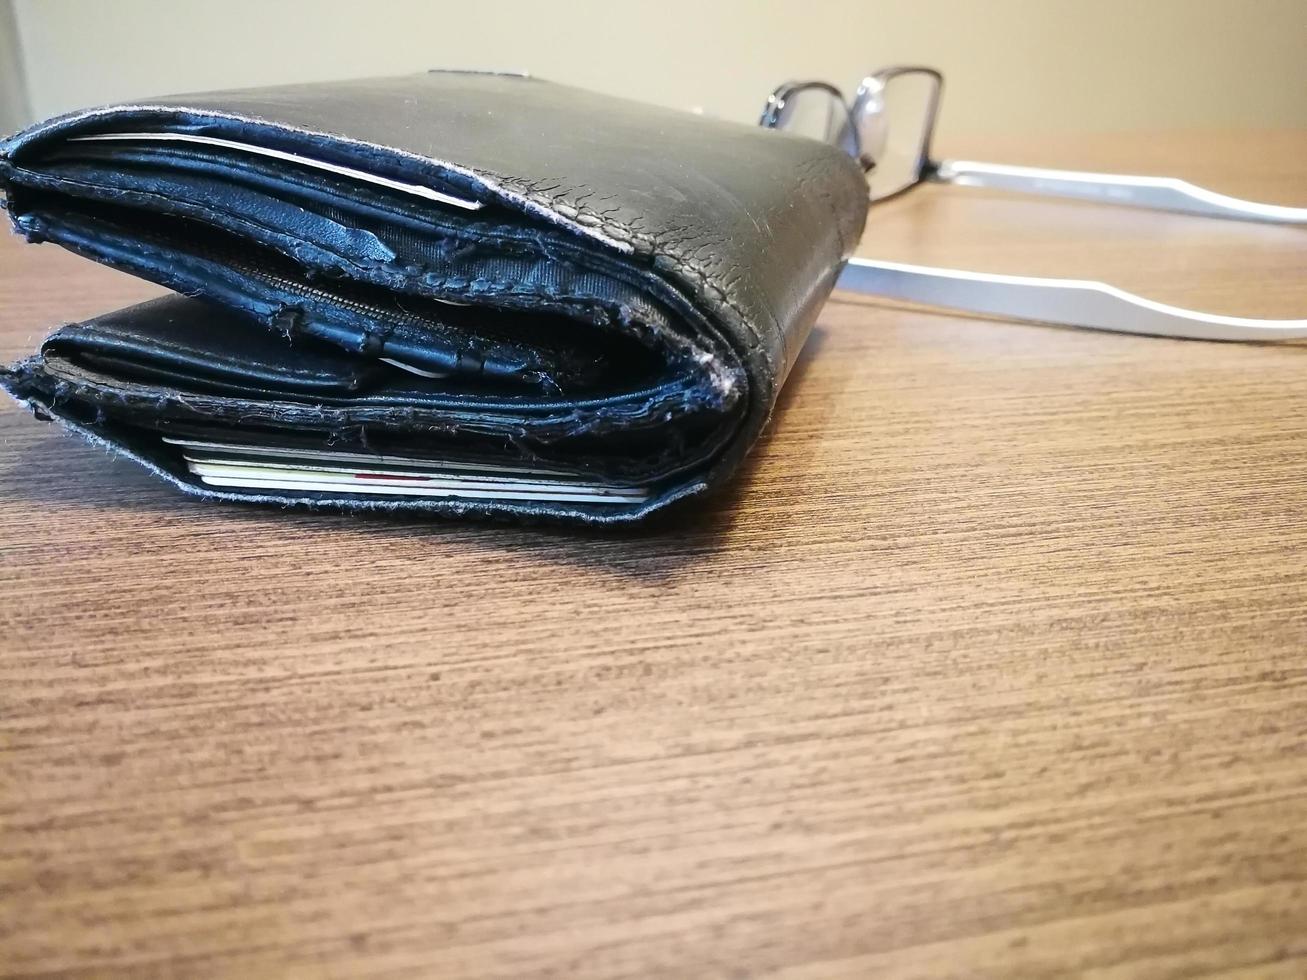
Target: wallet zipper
x=463 y=361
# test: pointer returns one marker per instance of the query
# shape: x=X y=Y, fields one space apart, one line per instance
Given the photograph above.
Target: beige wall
x=13 y=85
x=1013 y=65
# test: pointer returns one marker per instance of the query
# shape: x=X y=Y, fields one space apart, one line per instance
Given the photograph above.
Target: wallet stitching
x=623 y=231
x=701 y=278
x=546 y=428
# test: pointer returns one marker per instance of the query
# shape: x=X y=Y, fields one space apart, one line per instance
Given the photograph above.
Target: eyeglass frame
x=871 y=88
x=1063 y=302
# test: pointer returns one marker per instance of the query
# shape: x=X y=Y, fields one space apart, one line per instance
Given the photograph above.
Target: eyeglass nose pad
x=873 y=126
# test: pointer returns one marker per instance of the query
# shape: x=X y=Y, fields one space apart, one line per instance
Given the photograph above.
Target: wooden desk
x=993 y=662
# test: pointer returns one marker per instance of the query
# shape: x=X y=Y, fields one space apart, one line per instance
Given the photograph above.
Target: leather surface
x=749 y=226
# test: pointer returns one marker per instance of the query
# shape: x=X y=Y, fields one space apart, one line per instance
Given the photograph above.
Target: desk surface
x=992 y=661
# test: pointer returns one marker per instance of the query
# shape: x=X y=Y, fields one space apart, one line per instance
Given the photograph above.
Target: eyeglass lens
x=819 y=114
x=896 y=114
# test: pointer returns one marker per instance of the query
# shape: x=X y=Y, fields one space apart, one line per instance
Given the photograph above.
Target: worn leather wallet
x=451 y=292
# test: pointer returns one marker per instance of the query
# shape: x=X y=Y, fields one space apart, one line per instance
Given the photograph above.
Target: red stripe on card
x=390 y=476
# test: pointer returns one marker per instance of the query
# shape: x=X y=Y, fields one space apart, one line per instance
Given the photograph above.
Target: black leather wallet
x=454 y=292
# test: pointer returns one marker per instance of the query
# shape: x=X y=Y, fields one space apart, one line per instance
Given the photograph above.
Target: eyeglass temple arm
x=1158 y=193
x=1065 y=302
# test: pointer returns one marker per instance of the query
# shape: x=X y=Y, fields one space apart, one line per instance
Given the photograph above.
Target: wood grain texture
x=991 y=663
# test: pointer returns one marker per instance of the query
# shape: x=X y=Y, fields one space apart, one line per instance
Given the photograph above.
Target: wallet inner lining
x=505 y=349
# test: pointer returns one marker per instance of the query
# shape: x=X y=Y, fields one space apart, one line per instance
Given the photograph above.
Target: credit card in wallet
x=325 y=471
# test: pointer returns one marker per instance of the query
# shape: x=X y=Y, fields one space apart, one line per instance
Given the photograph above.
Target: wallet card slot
x=422 y=191
x=200 y=345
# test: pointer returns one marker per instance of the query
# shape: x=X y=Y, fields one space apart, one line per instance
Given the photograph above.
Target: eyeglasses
x=888 y=128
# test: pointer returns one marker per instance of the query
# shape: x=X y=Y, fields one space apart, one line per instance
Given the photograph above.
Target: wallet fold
x=540 y=301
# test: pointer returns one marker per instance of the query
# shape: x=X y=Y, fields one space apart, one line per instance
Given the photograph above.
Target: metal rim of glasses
x=783 y=99
x=864 y=130
x=869 y=110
